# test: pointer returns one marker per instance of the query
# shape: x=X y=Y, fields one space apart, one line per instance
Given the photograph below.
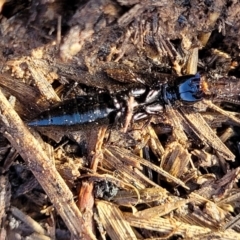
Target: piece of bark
x=219 y=189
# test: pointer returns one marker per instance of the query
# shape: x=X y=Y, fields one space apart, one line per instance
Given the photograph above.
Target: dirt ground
x=172 y=175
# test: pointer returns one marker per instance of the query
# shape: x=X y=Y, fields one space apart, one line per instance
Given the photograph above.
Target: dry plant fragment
x=203 y=213
x=192 y=61
x=161 y=210
x=229 y=115
x=154 y=143
x=214 y=119
x=123 y=153
x=170 y=226
x=28 y=97
x=175 y=159
x=42 y=83
x=165 y=226
x=113 y=221
x=114 y=164
x=232 y=223
x=128 y=198
x=219 y=189
x=177 y=122
x=206 y=134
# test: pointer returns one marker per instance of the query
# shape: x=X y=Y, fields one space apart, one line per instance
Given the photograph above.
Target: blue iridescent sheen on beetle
x=187 y=89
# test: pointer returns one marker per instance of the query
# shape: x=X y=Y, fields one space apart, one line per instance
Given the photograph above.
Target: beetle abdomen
x=81 y=110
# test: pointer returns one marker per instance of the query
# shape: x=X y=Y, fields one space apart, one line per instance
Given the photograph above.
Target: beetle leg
x=136 y=92
x=154 y=108
x=152 y=96
x=139 y=116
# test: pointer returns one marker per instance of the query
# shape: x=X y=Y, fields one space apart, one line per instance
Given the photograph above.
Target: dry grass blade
x=121 y=153
x=165 y=226
x=206 y=134
x=160 y=210
x=127 y=174
x=170 y=227
x=145 y=196
x=113 y=221
x=229 y=115
x=43 y=169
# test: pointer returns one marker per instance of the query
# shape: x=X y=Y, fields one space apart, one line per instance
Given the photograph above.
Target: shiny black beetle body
x=86 y=109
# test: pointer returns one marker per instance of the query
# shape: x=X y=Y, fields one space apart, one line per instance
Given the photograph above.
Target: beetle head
x=189 y=90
